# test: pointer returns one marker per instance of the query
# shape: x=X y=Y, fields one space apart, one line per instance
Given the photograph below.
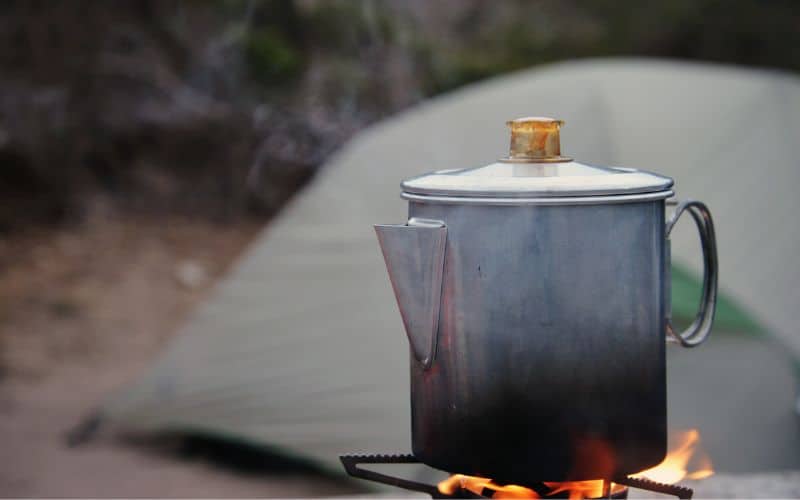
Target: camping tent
x=302 y=348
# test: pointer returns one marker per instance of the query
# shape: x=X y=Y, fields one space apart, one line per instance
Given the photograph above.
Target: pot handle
x=699 y=330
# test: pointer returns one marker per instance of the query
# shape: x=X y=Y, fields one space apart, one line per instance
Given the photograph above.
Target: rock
x=191 y=274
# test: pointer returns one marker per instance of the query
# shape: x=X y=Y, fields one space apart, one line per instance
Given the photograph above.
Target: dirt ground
x=83 y=309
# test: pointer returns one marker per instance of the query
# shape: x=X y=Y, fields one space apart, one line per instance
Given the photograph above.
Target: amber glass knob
x=535 y=139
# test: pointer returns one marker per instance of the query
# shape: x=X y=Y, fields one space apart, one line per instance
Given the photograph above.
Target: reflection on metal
x=414 y=255
x=700 y=329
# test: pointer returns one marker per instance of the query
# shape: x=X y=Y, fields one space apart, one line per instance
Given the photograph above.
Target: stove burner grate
x=351 y=464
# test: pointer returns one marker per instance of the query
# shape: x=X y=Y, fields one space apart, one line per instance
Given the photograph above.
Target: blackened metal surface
x=675 y=490
x=351 y=465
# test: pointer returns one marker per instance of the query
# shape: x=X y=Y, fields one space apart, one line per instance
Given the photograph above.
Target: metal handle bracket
x=700 y=329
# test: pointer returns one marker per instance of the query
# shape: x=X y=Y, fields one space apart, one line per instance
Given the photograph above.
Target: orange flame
x=483 y=486
x=674 y=468
x=583 y=489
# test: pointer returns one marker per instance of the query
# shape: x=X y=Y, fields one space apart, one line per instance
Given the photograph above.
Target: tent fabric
x=302 y=348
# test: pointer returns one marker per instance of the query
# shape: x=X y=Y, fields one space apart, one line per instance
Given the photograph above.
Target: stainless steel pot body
x=537 y=331
x=549 y=358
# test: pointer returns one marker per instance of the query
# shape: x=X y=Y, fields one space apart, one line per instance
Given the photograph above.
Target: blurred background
x=146 y=147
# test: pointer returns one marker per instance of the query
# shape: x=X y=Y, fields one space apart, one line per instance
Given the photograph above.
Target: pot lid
x=536 y=169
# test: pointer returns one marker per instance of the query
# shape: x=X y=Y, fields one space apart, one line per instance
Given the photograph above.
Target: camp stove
x=458 y=486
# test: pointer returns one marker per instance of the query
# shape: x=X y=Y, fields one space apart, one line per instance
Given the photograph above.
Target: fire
x=483 y=486
x=674 y=468
x=582 y=489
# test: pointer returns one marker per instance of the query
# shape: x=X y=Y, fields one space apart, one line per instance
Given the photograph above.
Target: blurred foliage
x=749 y=32
x=345 y=27
x=273 y=43
x=222 y=106
x=270 y=57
